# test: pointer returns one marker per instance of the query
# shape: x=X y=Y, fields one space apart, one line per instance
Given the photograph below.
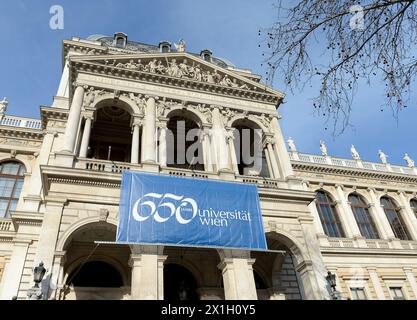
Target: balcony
x=348 y=163
x=118 y=167
x=13 y=121
x=375 y=244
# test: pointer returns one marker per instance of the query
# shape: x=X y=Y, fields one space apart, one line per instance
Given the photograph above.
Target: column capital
x=150 y=96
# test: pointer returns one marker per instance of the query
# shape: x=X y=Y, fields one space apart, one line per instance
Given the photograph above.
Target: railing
x=103 y=165
x=118 y=167
x=13 y=121
x=5 y=225
x=368 y=244
x=358 y=164
x=377 y=244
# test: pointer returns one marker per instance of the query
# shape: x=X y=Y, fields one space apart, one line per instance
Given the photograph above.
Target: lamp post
x=35 y=293
x=331 y=280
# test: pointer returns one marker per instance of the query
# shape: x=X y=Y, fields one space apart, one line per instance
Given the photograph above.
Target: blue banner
x=186 y=211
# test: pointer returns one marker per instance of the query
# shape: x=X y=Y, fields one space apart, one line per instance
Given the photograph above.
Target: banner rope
x=78 y=270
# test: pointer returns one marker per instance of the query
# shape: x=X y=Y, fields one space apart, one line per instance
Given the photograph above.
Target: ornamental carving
x=181 y=69
x=16 y=142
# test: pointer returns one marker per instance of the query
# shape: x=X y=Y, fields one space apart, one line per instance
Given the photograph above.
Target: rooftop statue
x=382 y=156
x=355 y=154
x=410 y=162
x=323 y=148
x=180 y=45
x=291 y=145
x=3 y=105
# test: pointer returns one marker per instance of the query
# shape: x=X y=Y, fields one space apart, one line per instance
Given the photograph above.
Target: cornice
x=96 y=68
x=353 y=172
x=22 y=133
x=48 y=113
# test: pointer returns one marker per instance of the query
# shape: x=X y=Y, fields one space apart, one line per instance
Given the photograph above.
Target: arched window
x=11 y=182
x=363 y=218
x=393 y=213
x=413 y=204
x=184 y=147
x=250 y=156
x=328 y=215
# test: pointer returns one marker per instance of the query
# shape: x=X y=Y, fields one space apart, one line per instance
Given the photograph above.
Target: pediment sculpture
x=180 y=68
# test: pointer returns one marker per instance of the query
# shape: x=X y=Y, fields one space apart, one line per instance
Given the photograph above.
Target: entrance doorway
x=179 y=284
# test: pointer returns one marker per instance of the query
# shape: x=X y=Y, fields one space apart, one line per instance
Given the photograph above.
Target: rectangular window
x=397 y=293
x=358 y=293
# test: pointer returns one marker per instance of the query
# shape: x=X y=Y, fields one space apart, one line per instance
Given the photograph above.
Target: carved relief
x=181 y=69
x=18 y=142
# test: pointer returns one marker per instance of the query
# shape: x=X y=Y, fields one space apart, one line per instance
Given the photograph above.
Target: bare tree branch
x=363 y=40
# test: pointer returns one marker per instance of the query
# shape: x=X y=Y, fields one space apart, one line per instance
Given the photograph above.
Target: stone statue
x=173 y=70
x=323 y=148
x=382 y=156
x=152 y=65
x=410 y=162
x=355 y=154
x=89 y=97
x=208 y=77
x=183 y=68
x=160 y=68
x=180 y=45
x=3 y=105
x=291 y=145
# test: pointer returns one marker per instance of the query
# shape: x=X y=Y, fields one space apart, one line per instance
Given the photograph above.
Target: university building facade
x=116 y=109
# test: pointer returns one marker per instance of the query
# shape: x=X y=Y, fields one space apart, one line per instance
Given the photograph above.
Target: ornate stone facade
x=114 y=111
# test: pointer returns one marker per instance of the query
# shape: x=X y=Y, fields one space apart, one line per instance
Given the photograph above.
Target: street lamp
x=35 y=293
x=38 y=273
x=331 y=280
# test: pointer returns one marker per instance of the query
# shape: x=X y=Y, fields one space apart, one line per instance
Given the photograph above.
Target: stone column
x=281 y=150
x=317 y=221
x=134 y=157
x=63 y=89
x=207 y=147
x=232 y=152
x=347 y=210
x=411 y=279
x=149 y=132
x=33 y=199
x=238 y=278
x=147 y=264
x=73 y=119
x=13 y=271
x=382 y=218
x=57 y=275
x=162 y=150
x=269 y=143
x=409 y=217
x=373 y=275
x=48 y=236
x=220 y=144
x=86 y=136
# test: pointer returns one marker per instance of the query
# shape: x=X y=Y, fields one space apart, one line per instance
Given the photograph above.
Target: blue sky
x=30 y=62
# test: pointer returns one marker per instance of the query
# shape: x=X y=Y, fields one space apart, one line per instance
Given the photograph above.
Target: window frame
x=16 y=178
x=334 y=215
x=353 y=289
x=365 y=227
x=414 y=207
x=395 y=208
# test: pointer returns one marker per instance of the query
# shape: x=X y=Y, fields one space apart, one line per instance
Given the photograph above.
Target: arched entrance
x=275 y=274
x=111 y=136
x=95 y=272
x=192 y=269
x=179 y=284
